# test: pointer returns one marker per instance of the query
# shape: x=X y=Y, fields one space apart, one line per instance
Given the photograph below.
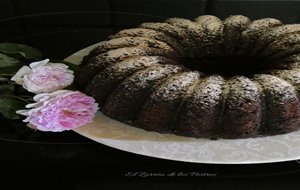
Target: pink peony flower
x=43 y=76
x=60 y=110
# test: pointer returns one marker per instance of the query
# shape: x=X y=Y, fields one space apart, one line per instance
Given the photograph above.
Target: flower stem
x=6 y=75
x=22 y=99
x=3 y=79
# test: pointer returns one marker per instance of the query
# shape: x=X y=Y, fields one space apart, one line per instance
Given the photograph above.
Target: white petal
x=41 y=97
x=39 y=63
x=22 y=112
x=18 y=77
x=59 y=92
x=31 y=105
x=58 y=65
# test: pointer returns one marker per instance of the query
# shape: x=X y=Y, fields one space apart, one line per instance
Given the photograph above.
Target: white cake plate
x=242 y=151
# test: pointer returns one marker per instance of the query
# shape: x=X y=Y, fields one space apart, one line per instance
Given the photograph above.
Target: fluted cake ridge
x=204 y=78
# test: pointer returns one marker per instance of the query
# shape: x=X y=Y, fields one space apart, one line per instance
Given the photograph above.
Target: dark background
x=67 y=160
x=70 y=25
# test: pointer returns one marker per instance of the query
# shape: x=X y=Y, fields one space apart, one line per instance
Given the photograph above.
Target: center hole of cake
x=229 y=65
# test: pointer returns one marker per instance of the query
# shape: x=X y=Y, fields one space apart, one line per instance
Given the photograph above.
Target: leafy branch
x=12 y=58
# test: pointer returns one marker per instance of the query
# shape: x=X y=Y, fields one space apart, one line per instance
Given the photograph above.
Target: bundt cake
x=205 y=78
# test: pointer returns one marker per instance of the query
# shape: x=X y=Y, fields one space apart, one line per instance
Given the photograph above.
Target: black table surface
x=69 y=160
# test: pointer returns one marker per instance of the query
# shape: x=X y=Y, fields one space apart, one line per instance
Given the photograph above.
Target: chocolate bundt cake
x=207 y=78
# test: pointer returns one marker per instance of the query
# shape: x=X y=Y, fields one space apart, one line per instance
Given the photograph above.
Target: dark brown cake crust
x=165 y=102
x=203 y=102
x=125 y=101
x=205 y=78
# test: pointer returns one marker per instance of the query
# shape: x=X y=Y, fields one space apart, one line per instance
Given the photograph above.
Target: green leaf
x=6 y=61
x=8 y=71
x=7 y=88
x=9 y=106
x=20 y=50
